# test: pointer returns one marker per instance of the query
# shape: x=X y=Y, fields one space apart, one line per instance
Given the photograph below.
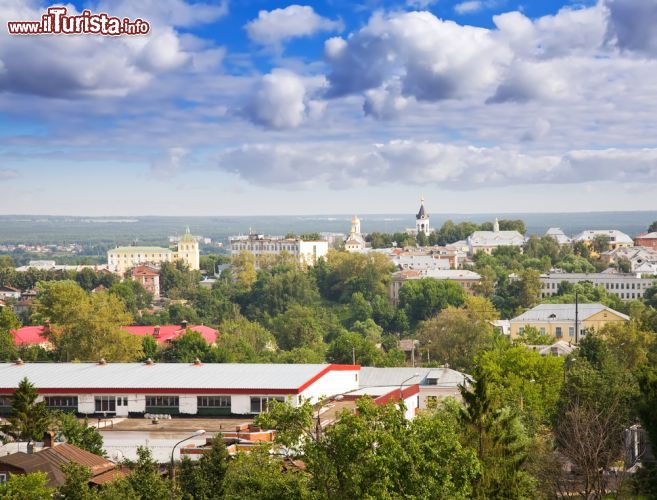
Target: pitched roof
x=422 y=214
x=30 y=335
x=563 y=312
x=614 y=235
x=51 y=461
x=496 y=238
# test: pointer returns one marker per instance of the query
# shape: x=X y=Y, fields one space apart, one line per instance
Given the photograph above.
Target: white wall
x=411 y=403
x=439 y=392
x=188 y=404
x=332 y=383
x=86 y=403
x=137 y=403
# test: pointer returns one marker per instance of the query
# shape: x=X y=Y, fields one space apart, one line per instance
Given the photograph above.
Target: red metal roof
x=35 y=335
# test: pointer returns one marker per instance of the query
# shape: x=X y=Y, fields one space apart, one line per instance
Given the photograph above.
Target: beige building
x=559 y=320
x=467 y=279
x=121 y=259
x=304 y=252
x=615 y=238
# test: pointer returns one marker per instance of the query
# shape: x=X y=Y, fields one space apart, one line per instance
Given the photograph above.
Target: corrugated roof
x=159 y=375
x=393 y=377
x=563 y=312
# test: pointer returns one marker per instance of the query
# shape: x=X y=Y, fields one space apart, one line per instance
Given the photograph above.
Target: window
x=213 y=401
x=105 y=404
x=3 y=477
x=122 y=401
x=259 y=403
x=61 y=401
x=558 y=332
x=5 y=400
x=571 y=331
x=542 y=330
x=162 y=401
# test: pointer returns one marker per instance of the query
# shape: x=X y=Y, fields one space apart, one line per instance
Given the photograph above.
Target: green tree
x=8 y=323
x=243 y=269
x=149 y=346
x=78 y=433
x=32 y=486
x=29 y=420
x=600 y=243
x=298 y=326
x=259 y=476
x=423 y=298
x=145 y=481
x=186 y=348
x=76 y=486
x=652 y=227
x=501 y=443
x=204 y=479
x=133 y=295
x=456 y=336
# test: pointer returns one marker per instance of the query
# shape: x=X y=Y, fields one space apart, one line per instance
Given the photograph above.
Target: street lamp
x=402 y=384
x=197 y=433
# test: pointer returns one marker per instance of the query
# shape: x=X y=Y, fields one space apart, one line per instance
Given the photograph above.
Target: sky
x=253 y=107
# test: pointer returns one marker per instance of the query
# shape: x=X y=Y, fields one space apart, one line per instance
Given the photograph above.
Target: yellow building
x=121 y=259
x=558 y=320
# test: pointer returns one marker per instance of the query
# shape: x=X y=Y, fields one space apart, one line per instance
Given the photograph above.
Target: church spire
x=496 y=225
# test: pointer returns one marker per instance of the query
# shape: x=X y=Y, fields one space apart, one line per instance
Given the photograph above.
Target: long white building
x=305 y=252
x=125 y=389
x=625 y=286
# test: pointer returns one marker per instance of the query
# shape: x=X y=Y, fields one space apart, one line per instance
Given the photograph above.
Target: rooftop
x=563 y=312
x=614 y=235
x=140 y=249
x=164 y=376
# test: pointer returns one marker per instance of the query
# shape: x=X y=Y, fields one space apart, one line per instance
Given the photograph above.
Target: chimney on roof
x=102 y=362
x=197 y=362
x=19 y=361
x=49 y=439
x=149 y=361
x=156 y=331
x=183 y=324
x=46 y=326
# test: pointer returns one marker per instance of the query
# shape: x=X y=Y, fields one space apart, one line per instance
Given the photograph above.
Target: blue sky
x=254 y=107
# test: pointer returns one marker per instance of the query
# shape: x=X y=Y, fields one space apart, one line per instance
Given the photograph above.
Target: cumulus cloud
x=345 y=165
x=272 y=28
x=83 y=66
x=632 y=25
x=170 y=164
x=468 y=7
x=433 y=59
x=281 y=100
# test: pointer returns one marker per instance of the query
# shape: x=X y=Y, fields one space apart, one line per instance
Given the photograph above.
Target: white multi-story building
x=304 y=252
x=121 y=259
x=625 y=286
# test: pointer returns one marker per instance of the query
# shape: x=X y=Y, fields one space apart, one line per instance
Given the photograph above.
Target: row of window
x=108 y=404
x=558 y=331
x=608 y=286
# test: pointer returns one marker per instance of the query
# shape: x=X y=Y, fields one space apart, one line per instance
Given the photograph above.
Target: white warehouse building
x=132 y=389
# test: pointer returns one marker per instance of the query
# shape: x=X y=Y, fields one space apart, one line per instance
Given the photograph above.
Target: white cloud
x=345 y=165
x=281 y=100
x=632 y=25
x=468 y=7
x=272 y=28
x=170 y=164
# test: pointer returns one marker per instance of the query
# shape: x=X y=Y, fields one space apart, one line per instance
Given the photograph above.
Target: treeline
x=449 y=232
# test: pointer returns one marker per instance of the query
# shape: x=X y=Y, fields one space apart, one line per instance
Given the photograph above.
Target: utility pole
x=576 y=318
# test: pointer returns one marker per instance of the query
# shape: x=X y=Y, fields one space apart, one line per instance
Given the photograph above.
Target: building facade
x=487 y=241
x=355 y=241
x=134 y=389
x=122 y=259
x=624 y=286
x=304 y=252
x=149 y=278
x=647 y=240
x=615 y=238
x=561 y=320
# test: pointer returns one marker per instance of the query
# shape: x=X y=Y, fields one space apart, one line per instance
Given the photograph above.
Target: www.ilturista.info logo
x=56 y=21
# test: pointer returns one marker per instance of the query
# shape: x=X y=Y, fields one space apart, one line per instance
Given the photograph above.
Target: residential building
x=558 y=235
x=304 y=252
x=643 y=260
x=9 y=292
x=121 y=259
x=38 y=335
x=487 y=241
x=558 y=320
x=434 y=257
x=467 y=279
x=420 y=388
x=53 y=459
x=647 y=240
x=149 y=278
x=355 y=241
x=122 y=389
x=625 y=286
x=615 y=238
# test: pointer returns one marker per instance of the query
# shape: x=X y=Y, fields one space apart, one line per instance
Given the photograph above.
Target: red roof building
x=149 y=277
x=37 y=335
